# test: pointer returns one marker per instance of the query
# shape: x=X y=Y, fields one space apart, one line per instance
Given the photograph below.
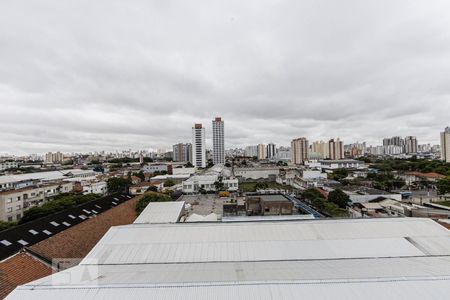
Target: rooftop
x=391 y=258
x=20 y=269
x=161 y=212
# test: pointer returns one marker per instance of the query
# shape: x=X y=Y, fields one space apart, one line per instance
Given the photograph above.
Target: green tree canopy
x=339 y=198
x=118 y=184
x=443 y=185
x=169 y=183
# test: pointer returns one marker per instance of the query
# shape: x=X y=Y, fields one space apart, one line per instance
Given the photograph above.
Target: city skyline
x=366 y=73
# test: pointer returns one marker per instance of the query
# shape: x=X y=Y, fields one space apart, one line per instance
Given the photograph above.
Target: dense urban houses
x=218 y=141
x=299 y=150
x=198 y=146
x=445 y=145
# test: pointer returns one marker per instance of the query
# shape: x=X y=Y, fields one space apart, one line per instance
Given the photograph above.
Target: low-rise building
x=143 y=187
x=208 y=183
x=13 y=203
x=257 y=172
x=98 y=187
x=5 y=165
x=268 y=205
x=336 y=164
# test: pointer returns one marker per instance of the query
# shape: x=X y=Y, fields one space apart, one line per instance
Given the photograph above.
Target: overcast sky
x=106 y=75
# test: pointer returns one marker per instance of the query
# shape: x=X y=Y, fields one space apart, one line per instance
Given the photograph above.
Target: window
x=9 y=200
x=9 y=219
x=9 y=209
x=18 y=217
x=18 y=207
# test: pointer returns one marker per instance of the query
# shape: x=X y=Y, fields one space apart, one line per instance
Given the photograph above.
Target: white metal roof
x=397 y=258
x=51 y=175
x=161 y=212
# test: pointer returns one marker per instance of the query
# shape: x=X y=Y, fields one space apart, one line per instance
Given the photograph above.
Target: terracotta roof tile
x=77 y=241
x=20 y=269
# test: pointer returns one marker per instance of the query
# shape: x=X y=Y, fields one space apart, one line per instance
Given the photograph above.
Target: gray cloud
x=84 y=75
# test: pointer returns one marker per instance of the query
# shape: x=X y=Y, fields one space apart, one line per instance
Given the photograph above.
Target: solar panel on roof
x=116 y=199
x=98 y=206
x=54 y=223
x=72 y=217
x=66 y=224
x=86 y=211
x=6 y=243
x=33 y=232
x=47 y=232
x=22 y=242
x=114 y=203
x=95 y=212
x=83 y=217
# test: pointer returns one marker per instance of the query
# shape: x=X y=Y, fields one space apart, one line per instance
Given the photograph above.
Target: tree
x=189 y=165
x=261 y=186
x=118 y=184
x=443 y=185
x=339 y=198
x=58 y=204
x=154 y=197
x=339 y=174
x=169 y=183
x=140 y=174
x=152 y=188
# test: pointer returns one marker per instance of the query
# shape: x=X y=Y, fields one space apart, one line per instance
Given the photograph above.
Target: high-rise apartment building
x=218 y=141
x=321 y=148
x=261 y=151
x=182 y=152
x=271 y=150
x=251 y=151
x=198 y=146
x=445 y=145
x=54 y=158
x=410 y=145
x=335 y=149
x=395 y=141
x=299 y=150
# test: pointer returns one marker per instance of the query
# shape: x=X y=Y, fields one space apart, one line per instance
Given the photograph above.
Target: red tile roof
x=431 y=175
x=76 y=242
x=20 y=269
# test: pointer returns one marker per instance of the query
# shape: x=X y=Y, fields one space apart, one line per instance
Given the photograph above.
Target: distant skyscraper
x=251 y=151
x=445 y=145
x=54 y=158
x=271 y=151
x=336 y=149
x=410 y=145
x=218 y=141
x=299 y=150
x=198 y=146
x=261 y=151
x=182 y=152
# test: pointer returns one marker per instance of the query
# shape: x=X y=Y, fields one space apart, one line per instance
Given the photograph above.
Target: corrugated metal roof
x=394 y=289
x=161 y=212
x=405 y=258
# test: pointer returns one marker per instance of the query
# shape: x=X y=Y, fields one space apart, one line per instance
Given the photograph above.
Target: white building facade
x=198 y=146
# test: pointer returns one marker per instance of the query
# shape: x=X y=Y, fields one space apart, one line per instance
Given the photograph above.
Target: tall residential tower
x=218 y=141
x=299 y=151
x=198 y=146
x=445 y=145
